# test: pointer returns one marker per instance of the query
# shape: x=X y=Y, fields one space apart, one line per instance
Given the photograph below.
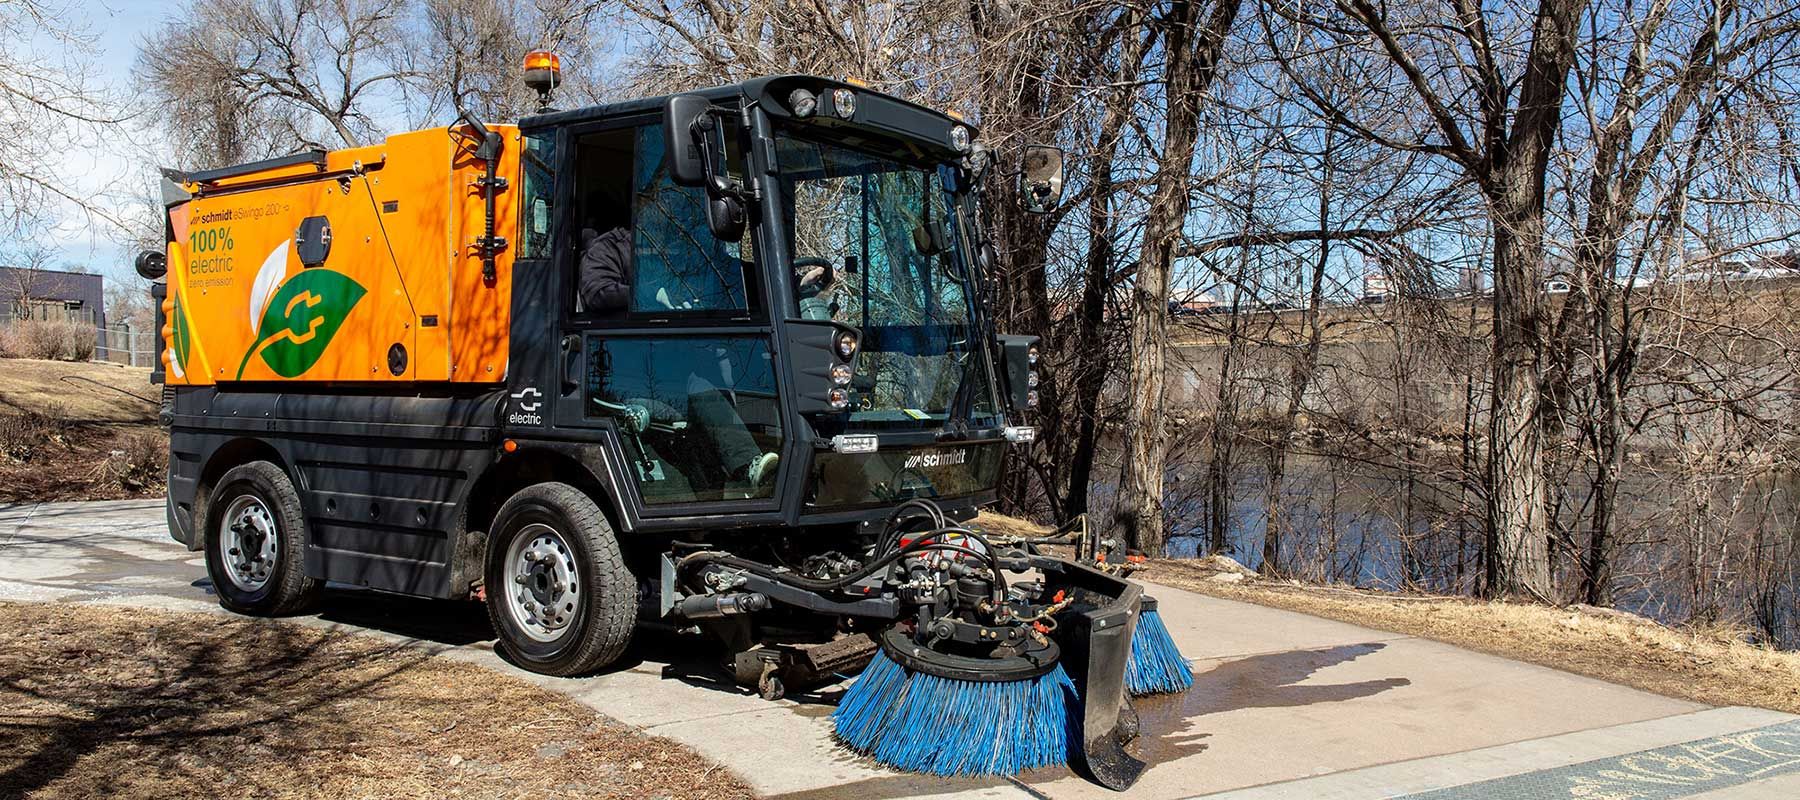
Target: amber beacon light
x=543 y=73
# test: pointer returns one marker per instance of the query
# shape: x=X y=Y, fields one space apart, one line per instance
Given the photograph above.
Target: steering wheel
x=805 y=264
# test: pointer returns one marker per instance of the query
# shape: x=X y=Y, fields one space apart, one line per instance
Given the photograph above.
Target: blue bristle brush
x=920 y=722
x=1156 y=665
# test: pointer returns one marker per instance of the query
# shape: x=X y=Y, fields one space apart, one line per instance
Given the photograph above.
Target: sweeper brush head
x=947 y=726
x=1156 y=666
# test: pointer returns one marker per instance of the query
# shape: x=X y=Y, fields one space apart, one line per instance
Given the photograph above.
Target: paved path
x=1284 y=705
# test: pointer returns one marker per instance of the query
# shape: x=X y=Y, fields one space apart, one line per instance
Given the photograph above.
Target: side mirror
x=688 y=123
x=1041 y=178
x=725 y=217
x=152 y=265
x=685 y=150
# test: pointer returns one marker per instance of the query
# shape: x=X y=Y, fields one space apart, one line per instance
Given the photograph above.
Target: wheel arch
x=515 y=471
x=233 y=453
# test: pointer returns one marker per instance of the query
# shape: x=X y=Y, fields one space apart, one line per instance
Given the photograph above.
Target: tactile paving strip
x=1665 y=773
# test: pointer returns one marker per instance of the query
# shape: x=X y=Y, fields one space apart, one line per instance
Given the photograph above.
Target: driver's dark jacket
x=605 y=269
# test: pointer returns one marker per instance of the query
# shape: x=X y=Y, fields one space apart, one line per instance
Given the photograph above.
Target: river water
x=1691 y=548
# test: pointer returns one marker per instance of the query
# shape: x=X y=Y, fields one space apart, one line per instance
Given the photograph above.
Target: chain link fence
x=119 y=344
x=114 y=344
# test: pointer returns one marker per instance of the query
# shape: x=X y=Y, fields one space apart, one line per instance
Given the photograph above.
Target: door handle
x=571 y=364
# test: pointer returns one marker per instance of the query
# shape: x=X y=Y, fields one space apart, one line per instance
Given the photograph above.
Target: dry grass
x=1010 y=526
x=1710 y=666
x=80 y=392
x=78 y=431
x=44 y=459
x=113 y=702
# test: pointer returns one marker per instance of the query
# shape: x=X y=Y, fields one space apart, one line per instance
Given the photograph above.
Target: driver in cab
x=603 y=279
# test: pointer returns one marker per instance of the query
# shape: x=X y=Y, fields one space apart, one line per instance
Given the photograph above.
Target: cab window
x=538 y=196
x=642 y=246
x=697 y=415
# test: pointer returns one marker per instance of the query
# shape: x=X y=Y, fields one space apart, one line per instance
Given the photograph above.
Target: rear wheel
x=558 y=592
x=255 y=534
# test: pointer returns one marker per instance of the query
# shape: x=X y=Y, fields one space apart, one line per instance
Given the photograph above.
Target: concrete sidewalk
x=1284 y=705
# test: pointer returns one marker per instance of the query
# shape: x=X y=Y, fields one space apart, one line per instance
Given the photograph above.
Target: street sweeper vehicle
x=718 y=362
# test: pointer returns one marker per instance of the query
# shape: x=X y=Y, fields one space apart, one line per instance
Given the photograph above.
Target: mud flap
x=1095 y=635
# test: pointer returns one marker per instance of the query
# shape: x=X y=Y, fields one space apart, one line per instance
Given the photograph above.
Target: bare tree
x=259 y=75
x=474 y=48
x=1647 y=95
x=1491 y=85
x=1193 y=39
x=51 y=107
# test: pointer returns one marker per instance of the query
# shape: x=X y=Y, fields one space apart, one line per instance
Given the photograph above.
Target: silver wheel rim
x=543 y=594
x=249 y=543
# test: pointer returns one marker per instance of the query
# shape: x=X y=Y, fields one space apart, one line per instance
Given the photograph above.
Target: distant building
x=44 y=294
x=1193 y=305
x=1701 y=266
x=1376 y=288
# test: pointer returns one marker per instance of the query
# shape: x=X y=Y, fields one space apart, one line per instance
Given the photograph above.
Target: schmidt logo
x=936 y=458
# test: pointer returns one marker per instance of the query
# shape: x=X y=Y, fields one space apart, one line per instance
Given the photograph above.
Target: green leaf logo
x=301 y=320
x=178 y=334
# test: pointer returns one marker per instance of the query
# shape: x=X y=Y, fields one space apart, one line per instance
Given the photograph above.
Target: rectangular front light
x=845 y=443
x=1021 y=434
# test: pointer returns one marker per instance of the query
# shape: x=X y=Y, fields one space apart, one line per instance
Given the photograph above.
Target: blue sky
x=115 y=27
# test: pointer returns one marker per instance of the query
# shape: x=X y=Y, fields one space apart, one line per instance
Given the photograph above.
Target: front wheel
x=255 y=534
x=558 y=592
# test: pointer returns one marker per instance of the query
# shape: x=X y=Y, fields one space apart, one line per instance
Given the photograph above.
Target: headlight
x=1031 y=379
x=843 y=103
x=840 y=374
x=803 y=103
x=840 y=399
x=1031 y=355
x=1031 y=399
x=846 y=345
x=959 y=139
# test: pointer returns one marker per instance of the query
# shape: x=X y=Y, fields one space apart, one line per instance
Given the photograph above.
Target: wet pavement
x=1283 y=705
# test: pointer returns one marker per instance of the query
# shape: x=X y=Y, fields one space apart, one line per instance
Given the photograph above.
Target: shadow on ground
x=169 y=706
x=690 y=659
x=1171 y=723
x=100 y=701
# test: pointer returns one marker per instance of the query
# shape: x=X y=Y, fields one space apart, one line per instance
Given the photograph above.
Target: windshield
x=877 y=245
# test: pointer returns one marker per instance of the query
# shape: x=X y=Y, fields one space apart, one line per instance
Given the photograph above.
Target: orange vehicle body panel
x=403 y=271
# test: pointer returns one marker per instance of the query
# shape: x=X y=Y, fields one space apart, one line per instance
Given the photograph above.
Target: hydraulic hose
x=887 y=551
x=835 y=584
x=891 y=533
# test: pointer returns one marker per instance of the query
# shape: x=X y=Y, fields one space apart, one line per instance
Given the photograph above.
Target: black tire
x=250 y=496
x=597 y=630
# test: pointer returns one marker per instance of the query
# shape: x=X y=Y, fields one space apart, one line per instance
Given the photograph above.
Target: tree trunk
x=1519 y=560
x=1192 y=57
x=1519 y=563
x=1090 y=357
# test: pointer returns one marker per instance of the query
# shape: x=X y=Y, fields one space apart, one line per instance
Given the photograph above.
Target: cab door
x=666 y=336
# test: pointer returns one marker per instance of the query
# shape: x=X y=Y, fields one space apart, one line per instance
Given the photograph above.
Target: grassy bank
x=78 y=431
x=115 y=702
